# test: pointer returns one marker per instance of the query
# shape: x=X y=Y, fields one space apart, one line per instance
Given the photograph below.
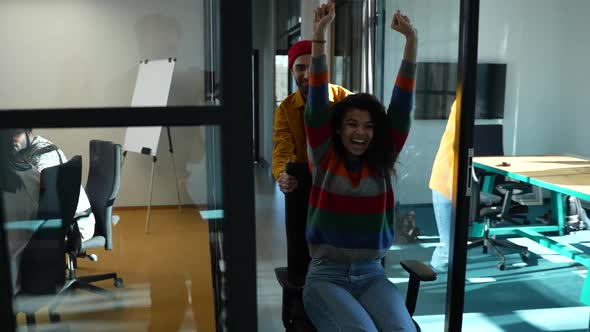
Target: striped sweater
x=350 y=217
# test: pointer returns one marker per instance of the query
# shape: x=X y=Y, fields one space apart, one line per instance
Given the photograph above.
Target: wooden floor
x=167 y=278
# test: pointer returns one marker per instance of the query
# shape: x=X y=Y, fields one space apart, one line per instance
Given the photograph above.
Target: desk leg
x=585 y=296
x=488 y=184
x=558 y=210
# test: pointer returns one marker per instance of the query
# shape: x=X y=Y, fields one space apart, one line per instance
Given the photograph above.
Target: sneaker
x=439 y=267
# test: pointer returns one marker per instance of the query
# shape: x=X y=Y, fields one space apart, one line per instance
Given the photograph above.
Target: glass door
x=181 y=238
x=431 y=183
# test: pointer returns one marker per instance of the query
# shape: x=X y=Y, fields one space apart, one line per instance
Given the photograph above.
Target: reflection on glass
x=282 y=77
x=424 y=171
x=438 y=82
x=90 y=57
x=533 y=170
x=59 y=187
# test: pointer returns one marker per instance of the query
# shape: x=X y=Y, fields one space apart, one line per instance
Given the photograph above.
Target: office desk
x=561 y=175
x=19 y=235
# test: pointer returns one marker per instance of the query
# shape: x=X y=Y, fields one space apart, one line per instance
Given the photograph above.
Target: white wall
x=73 y=53
x=578 y=74
x=545 y=45
x=437 y=22
x=264 y=36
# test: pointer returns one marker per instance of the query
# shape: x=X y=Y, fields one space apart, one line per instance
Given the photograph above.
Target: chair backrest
x=58 y=198
x=474 y=201
x=60 y=190
x=488 y=140
x=296 y=204
x=102 y=185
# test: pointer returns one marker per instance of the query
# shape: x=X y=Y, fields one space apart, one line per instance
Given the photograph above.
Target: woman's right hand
x=324 y=15
x=403 y=24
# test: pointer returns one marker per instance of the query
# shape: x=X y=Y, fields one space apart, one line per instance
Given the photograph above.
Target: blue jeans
x=443 y=214
x=353 y=297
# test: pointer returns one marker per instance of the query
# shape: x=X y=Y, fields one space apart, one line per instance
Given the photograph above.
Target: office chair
x=296 y=204
x=292 y=277
x=42 y=265
x=488 y=141
x=484 y=209
x=102 y=187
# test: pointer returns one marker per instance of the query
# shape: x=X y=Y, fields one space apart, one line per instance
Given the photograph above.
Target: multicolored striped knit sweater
x=350 y=217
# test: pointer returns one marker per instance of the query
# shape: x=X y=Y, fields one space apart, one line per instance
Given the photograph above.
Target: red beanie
x=300 y=48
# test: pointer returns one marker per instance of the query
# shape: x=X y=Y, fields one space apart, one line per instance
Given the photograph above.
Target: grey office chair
x=102 y=187
x=488 y=140
x=484 y=208
x=42 y=264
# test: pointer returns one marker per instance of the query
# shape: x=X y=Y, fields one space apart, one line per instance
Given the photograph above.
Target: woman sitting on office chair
x=38 y=152
x=353 y=147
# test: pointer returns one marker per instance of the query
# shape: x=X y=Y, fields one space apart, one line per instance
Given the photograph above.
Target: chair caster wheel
x=54 y=318
x=118 y=282
x=501 y=266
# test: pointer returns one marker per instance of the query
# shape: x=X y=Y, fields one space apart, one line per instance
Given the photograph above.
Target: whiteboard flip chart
x=151 y=89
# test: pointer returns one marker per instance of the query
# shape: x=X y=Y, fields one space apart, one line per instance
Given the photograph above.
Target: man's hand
x=324 y=15
x=287 y=183
x=402 y=24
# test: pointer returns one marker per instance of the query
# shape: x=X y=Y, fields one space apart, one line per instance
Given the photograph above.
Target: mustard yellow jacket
x=441 y=178
x=289 y=142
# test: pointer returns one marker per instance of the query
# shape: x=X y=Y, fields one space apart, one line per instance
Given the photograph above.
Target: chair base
x=294 y=317
x=84 y=283
x=492 y=244
x=517 y=220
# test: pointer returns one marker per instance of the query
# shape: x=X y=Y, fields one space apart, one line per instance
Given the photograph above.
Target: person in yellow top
x=289 y=142
x=290 y=145
x=441 y=183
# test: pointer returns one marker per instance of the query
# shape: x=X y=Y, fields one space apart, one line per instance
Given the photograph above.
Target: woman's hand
x=403 y=24
x=324 y=15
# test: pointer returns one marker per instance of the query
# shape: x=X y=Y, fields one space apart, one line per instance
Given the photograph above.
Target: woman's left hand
x=403 y=24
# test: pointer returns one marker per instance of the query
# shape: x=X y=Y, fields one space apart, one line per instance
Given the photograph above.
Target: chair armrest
x=517 y=188
x=491 y=211
x=514 y=185
x=283 y=279
x=82 y=214
x=488 y=199
x=418 y=270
